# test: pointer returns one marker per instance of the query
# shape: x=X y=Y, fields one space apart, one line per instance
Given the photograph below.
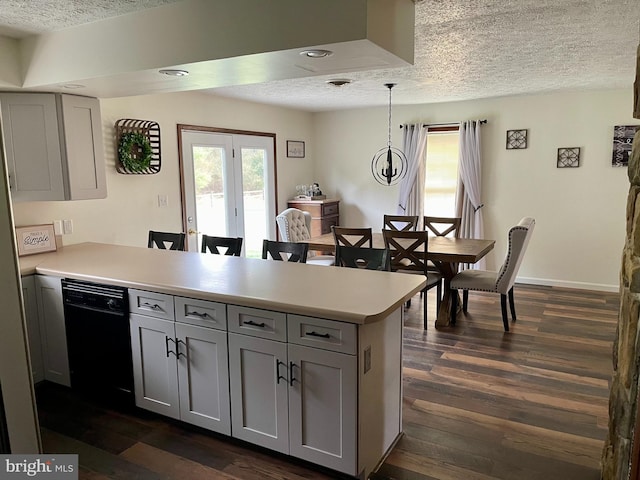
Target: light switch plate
x=67 y=226
x=57 y=227
x=163 y=201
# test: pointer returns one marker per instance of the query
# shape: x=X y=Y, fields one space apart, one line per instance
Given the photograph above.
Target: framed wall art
x=622 y=141
x=295 y=149
x=35 y=239
x=516 y=139
x=568 y=157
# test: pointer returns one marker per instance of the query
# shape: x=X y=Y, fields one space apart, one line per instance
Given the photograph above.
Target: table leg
x=448 y=270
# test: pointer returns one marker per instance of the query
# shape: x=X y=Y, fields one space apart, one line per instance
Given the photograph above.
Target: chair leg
x=465 y=300
x=503 y=304
x=512 y=305
x=438 y=296
x=424 y=308
x=454 y=305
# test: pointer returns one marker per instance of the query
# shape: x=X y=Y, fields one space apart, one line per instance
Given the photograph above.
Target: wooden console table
x=324 y=213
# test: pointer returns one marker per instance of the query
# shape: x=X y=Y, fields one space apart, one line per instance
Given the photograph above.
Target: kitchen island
x=303 y=359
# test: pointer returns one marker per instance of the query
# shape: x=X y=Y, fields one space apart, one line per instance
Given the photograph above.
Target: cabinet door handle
x=166 y=345
x=278 y=376
x=291 y=377
x=316 y=334
x=186 y=349
x=198 y=314
x=251 y=322
x=152 y=307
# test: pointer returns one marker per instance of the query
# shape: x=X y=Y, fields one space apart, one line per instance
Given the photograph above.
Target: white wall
x=580 y=212
x=131 y=208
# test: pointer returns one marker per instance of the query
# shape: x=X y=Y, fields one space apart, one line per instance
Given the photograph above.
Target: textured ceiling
x=464 y=49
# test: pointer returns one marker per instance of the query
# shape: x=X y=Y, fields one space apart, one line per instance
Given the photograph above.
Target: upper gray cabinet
x=54 y=148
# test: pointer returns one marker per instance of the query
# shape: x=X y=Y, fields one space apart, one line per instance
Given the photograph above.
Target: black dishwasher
x=98 y=340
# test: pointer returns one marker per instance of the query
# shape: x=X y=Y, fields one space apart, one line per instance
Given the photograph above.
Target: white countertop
x=345 y=294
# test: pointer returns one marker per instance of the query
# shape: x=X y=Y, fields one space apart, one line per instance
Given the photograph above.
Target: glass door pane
x=253 y=192
x=208 y=168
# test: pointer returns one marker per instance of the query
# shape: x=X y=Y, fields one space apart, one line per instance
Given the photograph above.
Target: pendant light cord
x=390 y=86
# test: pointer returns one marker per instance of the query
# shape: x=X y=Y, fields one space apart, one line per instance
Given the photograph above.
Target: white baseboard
x=567 y=284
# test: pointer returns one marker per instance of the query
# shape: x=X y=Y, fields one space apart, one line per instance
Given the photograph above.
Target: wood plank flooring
x=479 y=404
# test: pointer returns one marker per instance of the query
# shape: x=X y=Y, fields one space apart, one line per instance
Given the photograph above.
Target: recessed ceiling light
x=72 y=86
x=173 y=73
x=316 y=53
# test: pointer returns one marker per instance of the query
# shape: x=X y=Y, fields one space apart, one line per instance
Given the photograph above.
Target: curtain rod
x=450 y=124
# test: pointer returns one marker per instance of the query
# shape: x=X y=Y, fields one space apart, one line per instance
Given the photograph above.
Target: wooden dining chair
x=352 y=237
x=408 y=254
x=499 y=282
x=285 y=251
x=363 y=257
x=443 y=226
x=222 y=245
x=175 y=241
x=400 y=222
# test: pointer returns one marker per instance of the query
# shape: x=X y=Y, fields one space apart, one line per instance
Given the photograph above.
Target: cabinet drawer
x=152 y=304
x=257 y=322
x=327 y=223
x=201 y=313
x=329 y=209
x=321 y=333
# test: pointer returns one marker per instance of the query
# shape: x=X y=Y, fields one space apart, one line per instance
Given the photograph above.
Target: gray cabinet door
x=33 y=327
x=259 y=411
x=203 y=377
x=82 y=132
x=155 y=372
x=323 y=404
x=32 y=145
x=52 y=329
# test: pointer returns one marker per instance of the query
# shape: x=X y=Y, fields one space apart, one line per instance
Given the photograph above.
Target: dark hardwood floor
x=479 y=404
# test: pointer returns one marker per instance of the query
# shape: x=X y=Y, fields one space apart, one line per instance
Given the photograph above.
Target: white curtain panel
x=469 y=199
x=411 y=197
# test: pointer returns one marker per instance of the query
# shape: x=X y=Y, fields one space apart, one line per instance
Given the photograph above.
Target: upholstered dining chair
x=293 y=252
x=400 y=222
x=175 y=241
x=222 y=245
x=363 y=257
x=499 y=282
x=352 y=236
x=408 y=253
x=294 y=226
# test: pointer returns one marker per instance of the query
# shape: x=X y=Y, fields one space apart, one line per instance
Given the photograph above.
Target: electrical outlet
x=57 y=227
x=67 y=226
x=163 y=201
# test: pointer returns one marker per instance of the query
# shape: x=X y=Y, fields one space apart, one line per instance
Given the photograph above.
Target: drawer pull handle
x=152 y=307
x=198 y=314
x=251 y=322
x=316 y=334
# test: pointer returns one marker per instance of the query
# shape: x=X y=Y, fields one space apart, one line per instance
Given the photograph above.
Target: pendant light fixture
x=389 y=164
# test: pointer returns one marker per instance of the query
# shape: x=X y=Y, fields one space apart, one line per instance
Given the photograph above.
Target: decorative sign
x=622 y=140
x=35 y=239
x=295 y=149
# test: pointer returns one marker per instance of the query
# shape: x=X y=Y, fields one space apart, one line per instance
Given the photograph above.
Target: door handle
x=191 y=231
x=166 y=345
x=186 y=349
x=291 y=377
x=278 y=376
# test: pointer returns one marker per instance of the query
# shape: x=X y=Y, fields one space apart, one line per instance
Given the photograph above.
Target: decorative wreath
x=134 y=151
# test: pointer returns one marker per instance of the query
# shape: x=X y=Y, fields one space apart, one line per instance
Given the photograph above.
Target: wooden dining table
x=445 y=252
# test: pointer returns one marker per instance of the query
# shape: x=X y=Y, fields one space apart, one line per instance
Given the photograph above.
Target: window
x=441 y=175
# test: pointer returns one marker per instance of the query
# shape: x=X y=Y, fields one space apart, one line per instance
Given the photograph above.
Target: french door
x=229 y=186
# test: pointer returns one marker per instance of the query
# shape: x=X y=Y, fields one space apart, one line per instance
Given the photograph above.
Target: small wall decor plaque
x=568 y=157
x=622 y=141
x=295 y=149
x=35 y=239
x=516 y=139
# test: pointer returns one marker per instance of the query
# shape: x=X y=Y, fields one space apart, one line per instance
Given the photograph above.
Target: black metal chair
x=294 y=252
x=363 y=257
x=175 y=241
x=222 y=245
